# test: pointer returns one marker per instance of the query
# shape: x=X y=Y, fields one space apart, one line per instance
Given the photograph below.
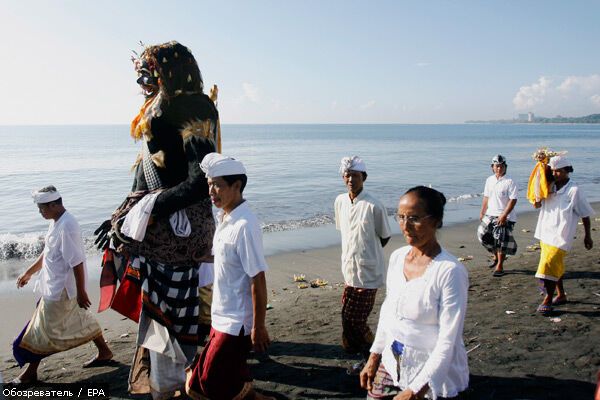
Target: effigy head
x=169 y=68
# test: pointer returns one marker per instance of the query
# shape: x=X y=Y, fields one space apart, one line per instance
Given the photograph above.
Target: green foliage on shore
x=588 y=119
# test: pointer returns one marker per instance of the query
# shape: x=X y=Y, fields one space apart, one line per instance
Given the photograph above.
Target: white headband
x=354 y=163
x=558 y=162
x=44 y=197
x=215 y=165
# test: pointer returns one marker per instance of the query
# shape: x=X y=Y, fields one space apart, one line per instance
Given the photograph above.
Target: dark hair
x=432 y=200
x=364 y=174
x=568 y=168
x=230 y=179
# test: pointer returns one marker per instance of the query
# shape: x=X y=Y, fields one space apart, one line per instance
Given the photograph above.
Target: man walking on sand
x=555 y=229
x=365 y=230
x=239 y=291
x=61 y=320
x=497 y=216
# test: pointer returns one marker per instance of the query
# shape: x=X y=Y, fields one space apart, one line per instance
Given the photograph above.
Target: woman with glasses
x=418 y=350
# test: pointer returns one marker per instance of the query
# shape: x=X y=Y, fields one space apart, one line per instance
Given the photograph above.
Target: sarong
x=159 y=363
x=221 y=371
x=170 y=299
x=357 y=304
x=384 y=389
x=56 y=325
x=495 y=237
x=383 y=386
x=552 y=263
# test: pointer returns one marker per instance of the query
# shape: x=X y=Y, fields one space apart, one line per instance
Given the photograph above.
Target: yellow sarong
x=552 y=265
x=59 y=325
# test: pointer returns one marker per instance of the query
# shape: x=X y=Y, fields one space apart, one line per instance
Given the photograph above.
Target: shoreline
x=512 y=355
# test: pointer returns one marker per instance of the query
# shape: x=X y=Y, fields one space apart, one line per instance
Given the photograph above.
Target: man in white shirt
x=61 y=320
x=556 y=227
x=363 y=223
x=239 y=290
x=497 y=215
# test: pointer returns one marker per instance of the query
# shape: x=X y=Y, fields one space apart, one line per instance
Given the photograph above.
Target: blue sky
x=67 y=62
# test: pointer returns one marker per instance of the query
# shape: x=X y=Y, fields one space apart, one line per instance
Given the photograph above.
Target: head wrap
x=499 y=159
x=45 y=195
x=558 y=162
x=215 y=165
x=354 y=163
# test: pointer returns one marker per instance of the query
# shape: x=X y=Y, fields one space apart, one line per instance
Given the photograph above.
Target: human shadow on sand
x=529 y=387
x=320 y=369
x=581 y=275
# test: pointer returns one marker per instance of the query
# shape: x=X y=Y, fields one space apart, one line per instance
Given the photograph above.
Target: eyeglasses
x=413 y=220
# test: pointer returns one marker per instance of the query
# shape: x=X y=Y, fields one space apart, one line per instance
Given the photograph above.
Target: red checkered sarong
x=357 y=304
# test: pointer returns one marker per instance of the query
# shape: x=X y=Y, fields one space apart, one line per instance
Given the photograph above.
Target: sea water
x=293 y=174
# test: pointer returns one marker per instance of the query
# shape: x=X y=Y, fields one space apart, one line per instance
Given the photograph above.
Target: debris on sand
x=318 y=283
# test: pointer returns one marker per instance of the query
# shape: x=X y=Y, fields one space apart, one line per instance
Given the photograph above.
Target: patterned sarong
x=383 y=386
x=357 y=304
x=496 y=237
x=170 y=297
x=552 y=263
x=221 y=371
x=56 y=325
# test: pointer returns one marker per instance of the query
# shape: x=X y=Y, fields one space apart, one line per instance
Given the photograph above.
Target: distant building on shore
x=526 y=117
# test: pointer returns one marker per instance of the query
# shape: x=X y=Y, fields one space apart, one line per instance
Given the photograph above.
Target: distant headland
x=530 y=118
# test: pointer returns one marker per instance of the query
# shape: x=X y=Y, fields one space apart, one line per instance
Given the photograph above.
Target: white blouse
x=427 y=316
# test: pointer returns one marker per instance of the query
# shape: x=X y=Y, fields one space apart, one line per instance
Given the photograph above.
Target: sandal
x=544 y=309
x=498 y=274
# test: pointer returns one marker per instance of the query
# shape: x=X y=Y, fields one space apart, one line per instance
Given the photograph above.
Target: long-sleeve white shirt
x=426 y=315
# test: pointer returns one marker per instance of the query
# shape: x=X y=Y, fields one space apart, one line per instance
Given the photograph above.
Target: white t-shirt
x=362 y=223
x=63 y=250
x=238 y=252
x=427 y=315
x=559 y=215
x=499 y=192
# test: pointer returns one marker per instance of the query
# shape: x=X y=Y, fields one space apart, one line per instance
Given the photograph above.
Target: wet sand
x=516 y=354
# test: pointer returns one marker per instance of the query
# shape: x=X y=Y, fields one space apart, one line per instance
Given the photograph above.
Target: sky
x=68 y=62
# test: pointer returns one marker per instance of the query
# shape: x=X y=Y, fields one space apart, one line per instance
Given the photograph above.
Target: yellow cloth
x=538 y=186
x=552 y=265
x=59 y=325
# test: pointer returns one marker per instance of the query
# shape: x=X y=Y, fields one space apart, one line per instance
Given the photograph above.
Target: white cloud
x=334 y=104
x=367 y=105
x=580 y=83
x=571 y=96
x=423 y=64
x=530 y=96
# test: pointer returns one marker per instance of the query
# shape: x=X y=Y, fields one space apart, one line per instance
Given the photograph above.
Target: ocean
x=292 y=172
